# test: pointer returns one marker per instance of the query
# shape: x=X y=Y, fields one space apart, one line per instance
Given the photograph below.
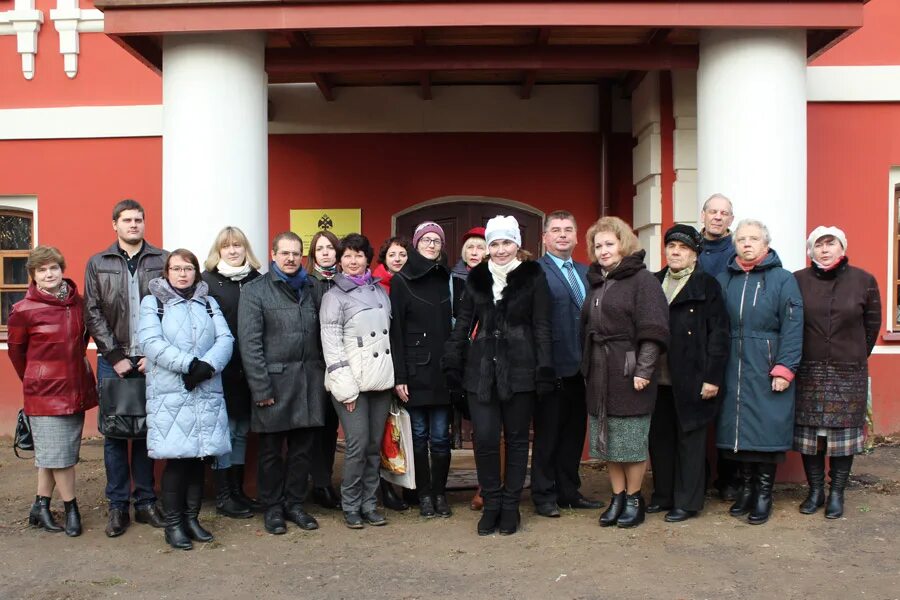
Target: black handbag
x=23 y=439
x=123 y=406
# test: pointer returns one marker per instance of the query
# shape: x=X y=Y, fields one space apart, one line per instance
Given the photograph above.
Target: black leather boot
x=191 y=523
x=173 y=508
x=510 y=517
x=440 y=470
x=744 y=500
x=490 y=515
x=40 y=515
x=73 y=518
x=118 y=522
x=634 y=511
x=390 y=499
x=610 y=516
x=840 y=475
x=226 y=504
x=762 y=505
x=236 y=473
x=814 y=466
x=423 y=484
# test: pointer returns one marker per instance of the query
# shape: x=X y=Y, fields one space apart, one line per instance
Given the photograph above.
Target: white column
x=646 y=161
x=215 y=140
x=751 y=130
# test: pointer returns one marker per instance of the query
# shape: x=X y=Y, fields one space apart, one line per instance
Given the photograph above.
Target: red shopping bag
x=397 y=465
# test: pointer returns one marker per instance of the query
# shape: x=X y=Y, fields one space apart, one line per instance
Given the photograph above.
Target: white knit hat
x=822 y=231
x=502 y=228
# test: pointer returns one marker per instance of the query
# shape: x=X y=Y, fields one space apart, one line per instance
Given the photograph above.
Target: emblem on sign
x=325 y=222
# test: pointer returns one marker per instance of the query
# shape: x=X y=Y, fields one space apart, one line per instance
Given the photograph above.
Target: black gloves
x=453 y=377
x=198 y=372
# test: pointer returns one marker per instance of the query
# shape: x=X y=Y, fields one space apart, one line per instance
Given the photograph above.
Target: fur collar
x=481 y=281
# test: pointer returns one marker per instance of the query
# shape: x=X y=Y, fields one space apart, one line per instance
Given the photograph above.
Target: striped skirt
x=839 y=441
x=57 y=440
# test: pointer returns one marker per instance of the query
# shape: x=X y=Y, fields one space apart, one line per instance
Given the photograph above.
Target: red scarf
x=747 y=266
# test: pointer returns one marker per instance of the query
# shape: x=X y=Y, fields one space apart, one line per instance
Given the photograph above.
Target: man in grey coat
x=278 y=333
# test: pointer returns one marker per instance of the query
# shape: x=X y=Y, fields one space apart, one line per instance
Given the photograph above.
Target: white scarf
x=233 y=273
x=500 y=273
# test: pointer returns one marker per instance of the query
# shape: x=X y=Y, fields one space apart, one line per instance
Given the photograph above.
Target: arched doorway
x=458 y=214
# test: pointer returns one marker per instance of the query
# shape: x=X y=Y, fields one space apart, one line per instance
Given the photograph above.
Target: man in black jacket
x=114 y=282
x=560 y=424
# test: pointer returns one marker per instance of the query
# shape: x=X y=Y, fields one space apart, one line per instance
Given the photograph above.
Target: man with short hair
x=560 y=423
x=278 y=334
x=716 y=218
x=115 y=281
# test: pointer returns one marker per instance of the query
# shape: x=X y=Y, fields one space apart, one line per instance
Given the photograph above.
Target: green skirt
x=628 y=438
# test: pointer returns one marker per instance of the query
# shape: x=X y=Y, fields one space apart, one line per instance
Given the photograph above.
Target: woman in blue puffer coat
x=187 y=343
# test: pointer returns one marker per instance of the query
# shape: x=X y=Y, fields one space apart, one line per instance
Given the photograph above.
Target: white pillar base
x=215 y=140
x=751 y=130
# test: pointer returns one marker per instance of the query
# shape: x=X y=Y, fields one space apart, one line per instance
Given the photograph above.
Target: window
x=16 y=240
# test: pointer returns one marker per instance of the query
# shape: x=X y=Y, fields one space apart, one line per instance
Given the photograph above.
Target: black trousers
x=322 y=467
x=513 y=417
x=559 y=430
x=283 y=476
x=178 y=475
x=678 y=457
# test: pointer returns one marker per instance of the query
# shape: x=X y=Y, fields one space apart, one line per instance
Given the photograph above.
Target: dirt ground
x=713 y=556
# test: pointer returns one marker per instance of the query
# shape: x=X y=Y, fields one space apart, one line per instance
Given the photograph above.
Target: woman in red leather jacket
x=47 y=342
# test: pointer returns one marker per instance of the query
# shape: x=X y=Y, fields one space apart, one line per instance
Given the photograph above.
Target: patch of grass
x=865 y=508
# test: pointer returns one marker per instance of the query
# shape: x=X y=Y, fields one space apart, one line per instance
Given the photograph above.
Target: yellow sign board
x=306 y=222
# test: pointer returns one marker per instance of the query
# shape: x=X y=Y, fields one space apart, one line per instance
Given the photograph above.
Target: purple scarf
x=364 y=279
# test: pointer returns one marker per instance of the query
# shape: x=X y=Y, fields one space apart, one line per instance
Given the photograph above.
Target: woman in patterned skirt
x=842 y=316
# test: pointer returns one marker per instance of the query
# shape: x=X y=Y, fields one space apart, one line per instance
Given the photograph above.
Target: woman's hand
x=709 y=391
x=142 y=365
x=350 y=406
x=779 y=384
x=640 y=383
x=402 y=391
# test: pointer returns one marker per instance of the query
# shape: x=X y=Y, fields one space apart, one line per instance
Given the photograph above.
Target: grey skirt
x=57 y=440
x=628 y=439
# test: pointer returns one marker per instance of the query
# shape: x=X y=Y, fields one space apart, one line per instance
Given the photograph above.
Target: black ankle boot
x=173 y=516
x=40 y=515
x=440 y=470
x=814 y=466
x=744 y=500
x=73 y=518
x=510 y=517
x=390 y=499
x=634 y=511
x=236 y=473
x=490 y=518
x=762 y=505
x=840 y=475
x=426 y=507
x=191 y=523
x=616 y=504
x=423 y=483
x=226 y=504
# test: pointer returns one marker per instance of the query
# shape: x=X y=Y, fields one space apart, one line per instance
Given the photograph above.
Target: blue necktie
x=573 y=282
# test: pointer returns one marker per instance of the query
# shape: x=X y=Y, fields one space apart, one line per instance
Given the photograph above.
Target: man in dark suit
x=560 y=423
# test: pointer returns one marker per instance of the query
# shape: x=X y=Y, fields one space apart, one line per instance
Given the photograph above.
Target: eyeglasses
x=436 y=242
x=285 y=254
x=187 y=269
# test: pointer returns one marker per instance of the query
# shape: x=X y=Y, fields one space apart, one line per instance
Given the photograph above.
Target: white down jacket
x=356 y=343
x=183 y=424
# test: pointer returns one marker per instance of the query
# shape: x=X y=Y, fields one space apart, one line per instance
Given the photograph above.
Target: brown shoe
x=477 y=501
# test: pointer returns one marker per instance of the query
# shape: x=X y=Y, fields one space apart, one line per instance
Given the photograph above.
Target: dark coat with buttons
x=420 y=303
x=278 y=335
x=565 y=317
x=698 y=347
x=504 y=346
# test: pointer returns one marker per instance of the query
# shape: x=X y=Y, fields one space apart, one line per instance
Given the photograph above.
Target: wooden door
x=457 y=217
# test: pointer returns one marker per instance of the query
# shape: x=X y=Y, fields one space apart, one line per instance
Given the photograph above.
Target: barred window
x=16 y=241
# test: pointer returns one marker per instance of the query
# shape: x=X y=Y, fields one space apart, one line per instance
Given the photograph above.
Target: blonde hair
x=44 y=255
x=229 y=235
x=469 y=242
x=627 y=240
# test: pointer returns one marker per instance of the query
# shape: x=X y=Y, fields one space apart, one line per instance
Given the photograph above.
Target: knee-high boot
x=173 y=509
x=191 y=523
x=744 y=499
x=440 y=470
x=840 y=475
x=814 y=466
x=423 y=483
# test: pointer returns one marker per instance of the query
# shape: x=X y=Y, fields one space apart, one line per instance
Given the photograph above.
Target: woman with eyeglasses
x=187 y=343
x=422 y=313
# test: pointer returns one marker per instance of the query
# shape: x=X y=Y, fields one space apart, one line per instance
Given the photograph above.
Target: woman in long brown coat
x=842 y=317
x=625 y=328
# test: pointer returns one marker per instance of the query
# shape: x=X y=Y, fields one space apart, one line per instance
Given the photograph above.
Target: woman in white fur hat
x=842 y=317
x=500 y=354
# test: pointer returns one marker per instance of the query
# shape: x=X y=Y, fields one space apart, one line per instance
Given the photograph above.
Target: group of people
x=642 y=363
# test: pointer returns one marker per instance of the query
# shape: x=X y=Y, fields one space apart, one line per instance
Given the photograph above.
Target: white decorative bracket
x=70 y=20
x=23 y=21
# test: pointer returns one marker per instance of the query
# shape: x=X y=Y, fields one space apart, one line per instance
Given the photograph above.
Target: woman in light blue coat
x=187 y=343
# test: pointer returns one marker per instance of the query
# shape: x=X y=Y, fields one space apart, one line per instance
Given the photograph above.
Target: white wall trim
x=853 y=84
x=70 y=21
x=24 y=22
x=77 y=122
